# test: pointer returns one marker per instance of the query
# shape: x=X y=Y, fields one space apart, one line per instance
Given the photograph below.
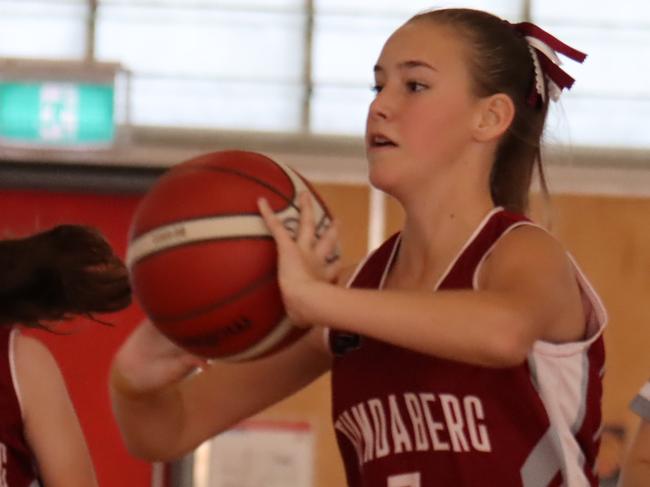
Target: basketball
x=202 y=262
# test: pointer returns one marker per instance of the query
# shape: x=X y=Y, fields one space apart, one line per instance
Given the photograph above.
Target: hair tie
x=544 y=48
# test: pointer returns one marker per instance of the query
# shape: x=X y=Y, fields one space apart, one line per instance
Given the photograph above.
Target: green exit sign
x=56 y=113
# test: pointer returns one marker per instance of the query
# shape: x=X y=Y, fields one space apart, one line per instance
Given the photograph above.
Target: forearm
x=151 y=422
x=481 y=328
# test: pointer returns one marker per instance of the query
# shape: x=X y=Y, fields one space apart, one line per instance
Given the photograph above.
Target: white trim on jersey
x=477 y=270
x=560 y=372
x=562 y=379
x=596 y=320
x=389 y=262
x=467 y=243
x=391 y=258
x=12 y=367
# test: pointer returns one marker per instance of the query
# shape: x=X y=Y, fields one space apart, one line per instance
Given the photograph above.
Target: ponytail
x=59 y=273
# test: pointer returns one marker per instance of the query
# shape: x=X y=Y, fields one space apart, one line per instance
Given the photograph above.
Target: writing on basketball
x=413 y=421
x=169 y=234
x=224 y=300
x=237 y=327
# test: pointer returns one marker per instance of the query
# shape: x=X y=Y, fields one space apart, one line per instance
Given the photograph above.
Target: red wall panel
x=85 y=354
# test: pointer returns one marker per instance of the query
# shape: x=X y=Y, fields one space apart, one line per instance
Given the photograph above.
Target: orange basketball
x=202 y=262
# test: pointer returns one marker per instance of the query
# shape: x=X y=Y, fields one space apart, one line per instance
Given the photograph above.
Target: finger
x=333 y=271
x=306 y=233
x=327 y=247
x=275 y=226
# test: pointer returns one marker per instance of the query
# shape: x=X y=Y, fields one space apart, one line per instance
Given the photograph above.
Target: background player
x=51 y=276
x=636 y=470
x=480 y=345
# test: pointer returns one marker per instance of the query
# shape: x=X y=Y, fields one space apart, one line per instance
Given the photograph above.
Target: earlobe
x=495 y=117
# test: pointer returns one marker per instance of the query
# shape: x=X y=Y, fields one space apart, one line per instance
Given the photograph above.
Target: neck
x=435 y=230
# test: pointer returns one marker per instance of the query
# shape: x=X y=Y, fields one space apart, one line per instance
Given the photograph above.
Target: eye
x=376 y=88
x=415 y=86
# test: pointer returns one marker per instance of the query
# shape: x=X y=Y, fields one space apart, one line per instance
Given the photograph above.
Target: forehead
x=424 y=40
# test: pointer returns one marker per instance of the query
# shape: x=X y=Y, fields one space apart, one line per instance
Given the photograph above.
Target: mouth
x=380 y=141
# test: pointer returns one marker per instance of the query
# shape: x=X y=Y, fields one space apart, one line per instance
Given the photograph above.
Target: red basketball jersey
x=16 y=461
x=405 y=419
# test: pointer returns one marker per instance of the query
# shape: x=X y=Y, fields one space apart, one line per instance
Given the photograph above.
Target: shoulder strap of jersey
x=372 y=269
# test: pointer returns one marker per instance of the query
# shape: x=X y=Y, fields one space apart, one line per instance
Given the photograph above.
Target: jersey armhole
x=12 y=367
x=479 y=266
x=596 y=318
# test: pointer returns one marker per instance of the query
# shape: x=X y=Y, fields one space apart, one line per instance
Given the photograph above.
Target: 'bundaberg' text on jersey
x=405 y=419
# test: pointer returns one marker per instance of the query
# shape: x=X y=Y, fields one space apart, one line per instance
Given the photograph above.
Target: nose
x=380 y=107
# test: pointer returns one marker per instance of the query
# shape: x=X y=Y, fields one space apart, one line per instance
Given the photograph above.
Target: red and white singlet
x=405 y=419
x=16 y=460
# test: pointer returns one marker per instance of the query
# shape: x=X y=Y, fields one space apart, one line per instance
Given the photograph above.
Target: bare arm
x=165 y=419
x=165 y=408
x=636 y=469
x=528 y=291
x=51 y=425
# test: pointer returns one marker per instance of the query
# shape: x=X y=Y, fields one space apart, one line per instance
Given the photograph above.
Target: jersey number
x=404 y=480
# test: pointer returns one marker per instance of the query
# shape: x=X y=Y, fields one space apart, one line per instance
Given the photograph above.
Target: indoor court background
x=291 y=78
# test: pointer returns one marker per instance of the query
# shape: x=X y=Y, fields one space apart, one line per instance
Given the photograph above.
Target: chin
x=382 y=178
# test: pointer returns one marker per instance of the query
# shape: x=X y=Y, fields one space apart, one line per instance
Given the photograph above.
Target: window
x=348 y=37
x=609 y=104
x=208 y=64
x=43 y=29
x=306 y=65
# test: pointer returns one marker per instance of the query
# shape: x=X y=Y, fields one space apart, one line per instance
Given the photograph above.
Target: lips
x=378 y=141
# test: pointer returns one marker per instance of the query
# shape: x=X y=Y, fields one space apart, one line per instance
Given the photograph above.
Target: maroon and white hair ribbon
x=544 y=48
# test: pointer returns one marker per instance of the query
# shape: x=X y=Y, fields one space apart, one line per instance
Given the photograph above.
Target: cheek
x=445 y=124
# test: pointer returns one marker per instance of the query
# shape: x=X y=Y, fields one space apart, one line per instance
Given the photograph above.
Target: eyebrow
x=407 y=65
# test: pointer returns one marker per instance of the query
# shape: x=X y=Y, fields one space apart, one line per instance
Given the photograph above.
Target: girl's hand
x=149 y=361
x=304 y=262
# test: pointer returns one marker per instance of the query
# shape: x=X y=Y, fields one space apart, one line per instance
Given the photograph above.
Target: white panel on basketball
x=320 y=217
x=280 y=331
x=201 y=229
x=216 y=227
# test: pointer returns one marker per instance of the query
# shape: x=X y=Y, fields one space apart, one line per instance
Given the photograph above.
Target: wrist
x=304 y=304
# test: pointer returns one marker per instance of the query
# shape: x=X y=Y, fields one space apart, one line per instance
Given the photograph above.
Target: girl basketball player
x=466 y=350
x=68 y=270
x=636 y=471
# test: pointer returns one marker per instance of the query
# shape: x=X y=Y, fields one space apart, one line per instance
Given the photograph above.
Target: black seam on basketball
x=261 y=182
x=213 y=337
x=199 y=241
x=169 y=320
x=290 y=202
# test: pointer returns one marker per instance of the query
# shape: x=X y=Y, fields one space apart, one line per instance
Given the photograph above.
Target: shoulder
x=31 y=354
x=532 y=269
x=528 y=249
x=37 y=372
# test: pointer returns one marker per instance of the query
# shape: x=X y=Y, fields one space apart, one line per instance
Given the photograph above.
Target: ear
x=494 y=117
